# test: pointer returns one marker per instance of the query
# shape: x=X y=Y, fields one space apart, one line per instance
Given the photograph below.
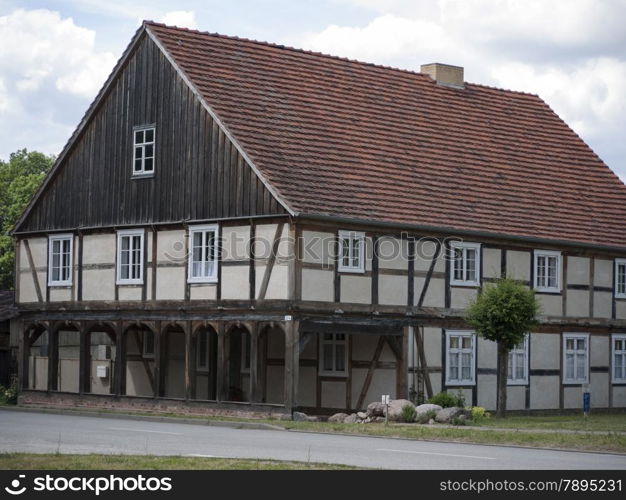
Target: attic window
x=143 y=150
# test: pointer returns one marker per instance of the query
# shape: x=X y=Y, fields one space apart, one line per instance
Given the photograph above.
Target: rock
x=283 y=417
x=375 y=409
x=431 y=421
x=338 y=417
x=350 y=419
x=367 y=420
x=311 y=418
x=362 y=415
x=395 y=409
x=377 y=420
x=425 y=408
x=298 y=416
x=446 y=414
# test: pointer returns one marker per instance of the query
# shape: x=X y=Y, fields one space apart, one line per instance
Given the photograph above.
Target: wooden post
x=53 y=357
x=402 y=391
x=84 y=375
x=254 y=363
x=190 y=372
x=120 y=361
x=157 y=360
x=24 y=349
x=292 y=361
x=220 y=393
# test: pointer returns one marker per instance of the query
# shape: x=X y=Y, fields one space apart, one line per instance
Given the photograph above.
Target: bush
x=425 y=417
x=479 y=414
x=408 y=413
x=8 y=395
x=460 y=420
x=447 y=400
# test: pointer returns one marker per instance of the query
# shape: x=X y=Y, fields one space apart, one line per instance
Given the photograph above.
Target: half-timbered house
x=236 y=225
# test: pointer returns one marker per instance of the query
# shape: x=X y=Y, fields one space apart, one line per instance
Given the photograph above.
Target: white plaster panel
x=487 y=353
x=603 y=272
x=551 y=304
x=544 y=392
x=171 y=282
x=356 y=289
x=392 y=290
x=235 y=242
x=99 y=284
x=393 y=253
x=518 y=265
x=236 y=282
x=578 y=303
x=318 y=247
x=492 y=262
x=516 y=397
x=333 y=394
x=577 y=270
x=487 y=391
x=99 y=248
x=460 y=297
x=203 y=292
x=602 y=304
x=317 y=285
x=436 y=293
x=129 y=293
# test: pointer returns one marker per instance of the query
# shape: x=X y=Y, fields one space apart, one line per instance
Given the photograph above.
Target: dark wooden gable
x=199 y=173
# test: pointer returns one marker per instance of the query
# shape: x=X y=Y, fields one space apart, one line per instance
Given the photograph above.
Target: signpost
x=586 y=400
x=385 y=401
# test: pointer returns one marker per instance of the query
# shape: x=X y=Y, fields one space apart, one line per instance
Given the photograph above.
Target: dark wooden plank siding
x=199 y=174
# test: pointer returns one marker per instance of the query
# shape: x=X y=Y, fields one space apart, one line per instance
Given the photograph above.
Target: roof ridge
x=322 y=54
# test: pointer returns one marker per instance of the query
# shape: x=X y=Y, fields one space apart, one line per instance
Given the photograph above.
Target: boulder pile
x=425 y=413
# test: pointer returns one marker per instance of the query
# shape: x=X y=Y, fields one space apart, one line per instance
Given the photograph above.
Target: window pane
x=328 y=336
x=148 y=342
x=467 y=342
x=618 y=360
x=541 y=271
x=340 y=336
x=328 y=357
x=519 y=373
x=470 y=264
x=580 y=366
x=458 y=264
x=569 y=366
x=138 y=136
x=149 y=135
x=148 y=164
x=552 y=272
x=510 y=370
x=569 y=344
x=454 y=342
x=580 y=344
x=345 y=245
x=453 y=372
x=340 y=361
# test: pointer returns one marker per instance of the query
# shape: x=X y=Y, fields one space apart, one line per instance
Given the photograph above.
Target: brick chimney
x=445 y=74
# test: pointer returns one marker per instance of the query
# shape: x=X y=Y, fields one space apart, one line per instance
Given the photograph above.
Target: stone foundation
x=161 y=405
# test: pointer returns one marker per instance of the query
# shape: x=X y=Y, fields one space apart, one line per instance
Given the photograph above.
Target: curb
x=147 y=418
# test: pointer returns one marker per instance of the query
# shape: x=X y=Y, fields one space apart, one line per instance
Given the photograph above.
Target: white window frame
x=622 y=353
x=618 y=263
x=462 y=245
x=513 y=359
x=130 y=233
x=351 y=235
x=334 y=342
x=143 y=172
x=460 y=381
x=203 y=368
x=547 y=253
x=144 y=352
x=203 y=229
x=60 y=238
x=575 y=336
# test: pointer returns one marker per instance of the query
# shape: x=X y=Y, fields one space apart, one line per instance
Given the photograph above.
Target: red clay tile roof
x=350 y=139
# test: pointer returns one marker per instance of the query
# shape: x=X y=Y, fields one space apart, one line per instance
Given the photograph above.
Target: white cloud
x=570 y=52
x=180 y=18
x=38 y=46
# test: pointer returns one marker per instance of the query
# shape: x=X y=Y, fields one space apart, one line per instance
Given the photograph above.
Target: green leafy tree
x=504 y=312
x=19 y=179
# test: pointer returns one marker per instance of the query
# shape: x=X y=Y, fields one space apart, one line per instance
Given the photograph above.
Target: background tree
x=504 y=312
x=19 y=179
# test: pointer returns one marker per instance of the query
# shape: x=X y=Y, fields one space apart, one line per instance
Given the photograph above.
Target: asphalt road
x=49 y=433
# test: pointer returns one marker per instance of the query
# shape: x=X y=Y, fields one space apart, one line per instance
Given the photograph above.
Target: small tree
x=504 y=312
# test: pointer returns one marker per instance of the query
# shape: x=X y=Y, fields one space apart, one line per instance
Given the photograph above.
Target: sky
x=55 y=55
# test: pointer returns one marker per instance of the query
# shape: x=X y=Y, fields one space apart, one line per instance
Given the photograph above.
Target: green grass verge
x=35 y=461
x=588 y=442
x=601 y=422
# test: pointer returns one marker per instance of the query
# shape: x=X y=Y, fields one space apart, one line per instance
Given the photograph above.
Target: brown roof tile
x=351 y=139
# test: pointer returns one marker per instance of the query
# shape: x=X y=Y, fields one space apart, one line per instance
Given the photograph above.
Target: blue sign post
x=586 y=403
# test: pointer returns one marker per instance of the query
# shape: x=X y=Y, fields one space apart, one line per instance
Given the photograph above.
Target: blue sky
x=55 y=55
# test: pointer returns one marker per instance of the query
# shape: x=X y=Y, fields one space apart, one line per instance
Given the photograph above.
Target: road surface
x=50 y=433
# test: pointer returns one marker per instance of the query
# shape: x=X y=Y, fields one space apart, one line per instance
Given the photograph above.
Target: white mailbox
x=102 y=371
